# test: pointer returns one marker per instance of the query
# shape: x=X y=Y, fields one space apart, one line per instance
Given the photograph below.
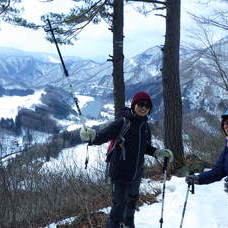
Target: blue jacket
x=219 y=171
x=137 y=144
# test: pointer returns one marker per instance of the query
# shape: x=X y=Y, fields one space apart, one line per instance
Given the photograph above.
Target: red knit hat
x=141 y=96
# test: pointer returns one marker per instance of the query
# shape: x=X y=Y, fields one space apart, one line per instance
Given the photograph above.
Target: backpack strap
x=125 y=127
x=120 y=140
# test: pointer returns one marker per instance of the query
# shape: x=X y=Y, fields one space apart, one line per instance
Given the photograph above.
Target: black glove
x=192 y=179
x=226 y=184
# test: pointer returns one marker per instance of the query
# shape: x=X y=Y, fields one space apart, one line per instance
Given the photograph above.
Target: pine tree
x=171 y=79
x=10 y=12
x=171 y=84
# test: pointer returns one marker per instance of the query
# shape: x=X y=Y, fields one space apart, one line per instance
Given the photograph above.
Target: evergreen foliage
x=11 y=12
x=69 y=25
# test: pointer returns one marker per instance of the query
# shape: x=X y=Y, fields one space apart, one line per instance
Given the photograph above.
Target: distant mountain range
x=30 y=71
x=23 y=73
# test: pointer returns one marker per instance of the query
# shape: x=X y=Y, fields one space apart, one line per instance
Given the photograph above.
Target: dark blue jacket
x=219 y=171
x=137 y=144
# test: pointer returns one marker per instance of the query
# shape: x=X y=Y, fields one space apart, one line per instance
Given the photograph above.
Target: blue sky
x=95 y=42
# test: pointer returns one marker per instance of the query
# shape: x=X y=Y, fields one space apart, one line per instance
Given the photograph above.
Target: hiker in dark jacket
x=221 y=167
x=127 y=158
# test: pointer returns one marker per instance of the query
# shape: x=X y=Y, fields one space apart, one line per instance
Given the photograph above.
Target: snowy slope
x=206 y=208
x=11 y=104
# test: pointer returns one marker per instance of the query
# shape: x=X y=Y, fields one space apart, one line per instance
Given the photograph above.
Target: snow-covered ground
x=11 y=104
x=74 y=159
x=206 y=208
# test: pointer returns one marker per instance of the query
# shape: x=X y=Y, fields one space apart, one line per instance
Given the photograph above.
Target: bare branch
x=215 y=58
x=160 y=15
x=160 y=8
x=8 y=155
x=209 y=21
x=5 y=7
x=212 y=53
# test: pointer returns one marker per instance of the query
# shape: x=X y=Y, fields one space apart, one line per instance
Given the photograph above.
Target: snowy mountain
x=23 y=73
x=87 y=76
x=31 y=70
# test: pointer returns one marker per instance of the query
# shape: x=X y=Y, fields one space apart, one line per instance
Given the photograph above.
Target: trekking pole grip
x=193 y=184
x=165 y=164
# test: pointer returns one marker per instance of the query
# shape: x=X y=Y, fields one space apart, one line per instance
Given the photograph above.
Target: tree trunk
x=171 y=84
x=118 y=57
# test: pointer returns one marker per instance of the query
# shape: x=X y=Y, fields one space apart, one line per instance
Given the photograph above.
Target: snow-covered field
x=206 y=208
x=11 y=104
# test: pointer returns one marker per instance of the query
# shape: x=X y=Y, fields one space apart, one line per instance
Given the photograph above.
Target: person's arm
x=215 y=174
x=149 y=148
x=108 y=133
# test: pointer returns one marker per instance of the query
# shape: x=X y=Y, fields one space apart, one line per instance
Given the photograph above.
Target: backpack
x=119 y=140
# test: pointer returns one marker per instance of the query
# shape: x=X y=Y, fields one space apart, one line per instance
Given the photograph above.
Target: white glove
x=162 y=153
x=87 y=134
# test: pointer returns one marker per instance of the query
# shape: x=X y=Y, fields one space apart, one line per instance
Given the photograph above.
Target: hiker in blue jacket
x=127 y=157
x=221 y=167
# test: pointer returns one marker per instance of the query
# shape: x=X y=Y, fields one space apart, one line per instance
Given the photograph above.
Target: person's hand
x=192 y=179
x=226 y=184
x=87 y=134
x=162 y=153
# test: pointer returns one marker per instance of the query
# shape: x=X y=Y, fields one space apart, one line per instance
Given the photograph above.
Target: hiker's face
x=141 y=110
x=226 y=126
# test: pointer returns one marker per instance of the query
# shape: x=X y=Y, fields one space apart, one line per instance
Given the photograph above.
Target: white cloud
x=96 y=41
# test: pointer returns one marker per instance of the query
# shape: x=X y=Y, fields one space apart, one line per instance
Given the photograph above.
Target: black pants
x=124 y=199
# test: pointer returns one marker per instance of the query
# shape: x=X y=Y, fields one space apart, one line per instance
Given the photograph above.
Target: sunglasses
x=145 y=104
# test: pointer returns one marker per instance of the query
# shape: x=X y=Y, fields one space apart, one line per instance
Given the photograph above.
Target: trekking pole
x=82 y=119
x=192 y=190
x=64 y=69
x=166 y=159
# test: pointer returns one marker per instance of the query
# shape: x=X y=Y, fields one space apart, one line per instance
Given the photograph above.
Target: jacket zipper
x=137 y=161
